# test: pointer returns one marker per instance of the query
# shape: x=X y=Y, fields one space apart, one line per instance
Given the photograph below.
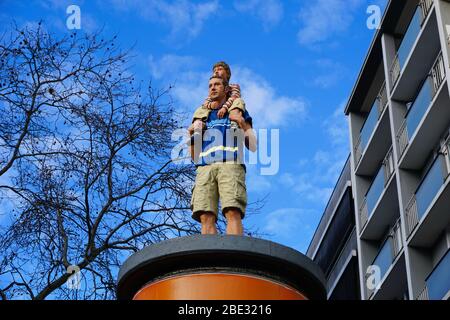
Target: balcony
x=427 y=210
x=375 y=194
x=336 y=198
x=409 y=39
x=416 y=53
x=347 y=253
x=386 y=262
x=372 y=124
x=437 y=285
x=425 y=120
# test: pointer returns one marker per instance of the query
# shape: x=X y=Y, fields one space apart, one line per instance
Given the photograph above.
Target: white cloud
x=324 y=19
x=267 y=108
x=336 y=127
x=287 y=225
x=319 y=173
x=170 y=64
x=257 y=183
x=270 y=12
x=329 y=73
x=184 y=18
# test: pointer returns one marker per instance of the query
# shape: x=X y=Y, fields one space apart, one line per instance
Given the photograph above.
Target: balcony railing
x=369 y=125
x=358 y=151
x=388 y=165
x=411 y=34
x=397 y=242
x=438 y=282
x=363 y=214
x=395 y=70
x=438 y=73
x=446 y=153
x=382 y=99
x=330 y=208
x=425 y=5
x=425 y=193
x=412 y=218
x=402 y=138
x=350 y=245
x=376 y=188
x=423 y=295
x=388 y=252
x=421 y=104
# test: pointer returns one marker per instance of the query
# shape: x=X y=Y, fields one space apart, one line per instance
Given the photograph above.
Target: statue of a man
x=218 y=155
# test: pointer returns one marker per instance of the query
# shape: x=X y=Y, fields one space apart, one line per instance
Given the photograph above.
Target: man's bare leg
x=208 y=220
x=234 y=221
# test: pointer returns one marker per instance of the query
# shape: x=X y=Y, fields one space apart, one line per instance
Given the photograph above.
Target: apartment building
x=399 y=125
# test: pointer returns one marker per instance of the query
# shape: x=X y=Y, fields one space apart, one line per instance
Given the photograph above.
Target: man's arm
x=196 y=147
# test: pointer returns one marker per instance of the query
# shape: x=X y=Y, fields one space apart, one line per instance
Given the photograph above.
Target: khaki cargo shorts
x=219 y=180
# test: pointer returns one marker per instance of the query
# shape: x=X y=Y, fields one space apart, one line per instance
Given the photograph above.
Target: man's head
x=218 y=88
x=222 y=69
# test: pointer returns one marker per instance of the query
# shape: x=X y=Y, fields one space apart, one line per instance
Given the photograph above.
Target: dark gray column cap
x=244 y=254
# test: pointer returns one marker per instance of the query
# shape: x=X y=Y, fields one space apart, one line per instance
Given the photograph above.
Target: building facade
x=399 y=125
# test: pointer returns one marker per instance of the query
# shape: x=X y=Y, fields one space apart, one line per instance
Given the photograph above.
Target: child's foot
x=234 y=126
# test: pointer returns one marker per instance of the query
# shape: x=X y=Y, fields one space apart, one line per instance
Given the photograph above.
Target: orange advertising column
x=220 y=267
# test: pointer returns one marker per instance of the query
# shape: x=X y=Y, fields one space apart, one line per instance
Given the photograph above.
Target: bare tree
x=85 y=160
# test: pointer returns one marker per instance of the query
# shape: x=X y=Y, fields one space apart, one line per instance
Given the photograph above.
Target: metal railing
x=425 y=5
x=395 y=70
x=358 y=151
x=382 y=99
x=346 y=252
x=363 y=214
x=437 y=74
x=386 y=256
x=423 y=295
x=330 y=208
x=397 y=242
x=446 y=152
x=388 y=171
x=435 y=77
x=402 y=139
x=388 y=164
x=412 y=217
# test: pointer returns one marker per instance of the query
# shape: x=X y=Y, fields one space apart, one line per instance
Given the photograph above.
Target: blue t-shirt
x=220 y=143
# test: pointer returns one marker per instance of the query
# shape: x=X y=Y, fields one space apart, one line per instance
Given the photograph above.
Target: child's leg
x=198 y=125
x=199 y=118
x=235 y=112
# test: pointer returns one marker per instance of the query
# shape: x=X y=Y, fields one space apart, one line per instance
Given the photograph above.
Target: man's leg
x=233 y=195
x=205 y=199
x=234 y=221
x=208 y=221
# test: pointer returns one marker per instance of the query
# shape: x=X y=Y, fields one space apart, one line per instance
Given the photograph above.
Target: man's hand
x=222 y=112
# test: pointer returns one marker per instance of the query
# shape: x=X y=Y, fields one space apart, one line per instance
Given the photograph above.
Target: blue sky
x=296 y=62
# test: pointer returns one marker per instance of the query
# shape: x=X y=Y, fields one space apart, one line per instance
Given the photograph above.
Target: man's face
x=216 y=89
x=220 y=72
